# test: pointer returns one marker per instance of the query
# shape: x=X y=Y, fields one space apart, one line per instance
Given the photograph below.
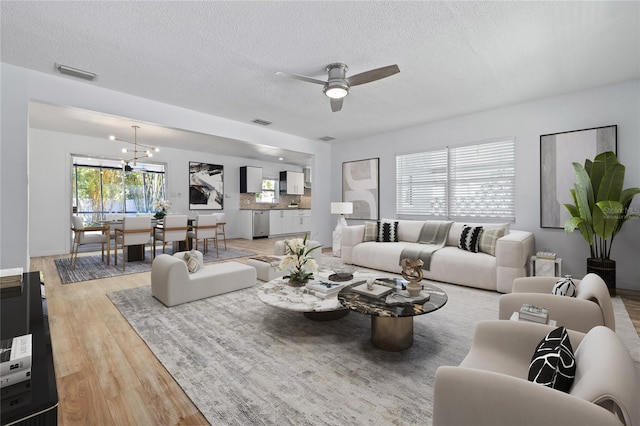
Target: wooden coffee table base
x=392 y=333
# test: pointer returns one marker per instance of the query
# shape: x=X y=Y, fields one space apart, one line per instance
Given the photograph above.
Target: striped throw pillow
x=488 y=240
x=387 y=232
x=370 y=231
x=470 y=238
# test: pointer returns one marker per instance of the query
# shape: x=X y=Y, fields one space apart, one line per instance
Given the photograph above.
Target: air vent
x=261 y=122
x=327 y=138
x=75 y=72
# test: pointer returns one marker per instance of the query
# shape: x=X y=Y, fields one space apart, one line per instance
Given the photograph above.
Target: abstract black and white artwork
x=557 y=153
x=206 y=186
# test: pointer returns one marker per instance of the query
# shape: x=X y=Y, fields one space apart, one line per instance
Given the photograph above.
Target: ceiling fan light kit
x=338 y=85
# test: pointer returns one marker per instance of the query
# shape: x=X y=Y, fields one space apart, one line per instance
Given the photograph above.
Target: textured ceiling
x=221 y=57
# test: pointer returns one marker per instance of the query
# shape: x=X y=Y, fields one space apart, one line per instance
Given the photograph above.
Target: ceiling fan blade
x=373 y=75
x=300 y=77
x=336 y=104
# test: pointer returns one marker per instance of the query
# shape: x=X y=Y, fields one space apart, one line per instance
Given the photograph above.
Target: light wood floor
x=106 y=374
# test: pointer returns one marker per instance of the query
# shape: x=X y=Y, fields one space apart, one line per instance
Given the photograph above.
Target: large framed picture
x=557 y=153
x=360 y=185
x=206 y=186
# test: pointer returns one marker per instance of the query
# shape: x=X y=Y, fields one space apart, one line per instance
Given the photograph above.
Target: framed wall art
x=557 y=153
x=206 y=186
x=361 y=186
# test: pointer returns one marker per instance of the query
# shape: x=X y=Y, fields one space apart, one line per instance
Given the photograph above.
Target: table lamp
x=341 y=209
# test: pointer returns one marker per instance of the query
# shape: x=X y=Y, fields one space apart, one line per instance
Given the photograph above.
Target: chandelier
x=139 y=150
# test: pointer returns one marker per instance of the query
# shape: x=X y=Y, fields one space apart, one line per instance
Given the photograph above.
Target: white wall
x=20 y=85
x=617 y=104
x=50 y=187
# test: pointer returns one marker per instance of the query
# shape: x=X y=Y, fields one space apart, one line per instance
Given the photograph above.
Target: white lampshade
x=342 y=208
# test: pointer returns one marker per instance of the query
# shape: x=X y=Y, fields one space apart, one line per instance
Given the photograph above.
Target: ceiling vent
x=75 y=72
x=261 y=122
x=327 y=138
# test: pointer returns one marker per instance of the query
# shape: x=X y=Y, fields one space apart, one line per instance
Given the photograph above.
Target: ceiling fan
x=338 y=85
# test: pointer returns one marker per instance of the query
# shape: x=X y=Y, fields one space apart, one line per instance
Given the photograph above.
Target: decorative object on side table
x=412 y=272
x=161 y=207
x=600 y=209
x=296 y=258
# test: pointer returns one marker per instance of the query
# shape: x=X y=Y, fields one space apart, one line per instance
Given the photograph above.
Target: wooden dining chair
x=135 y=231
x=205 y=229
x=221 y=222
x=87 y=235
x=174 y=228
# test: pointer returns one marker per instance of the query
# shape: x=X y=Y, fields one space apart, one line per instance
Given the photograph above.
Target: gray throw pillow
x=370 y=231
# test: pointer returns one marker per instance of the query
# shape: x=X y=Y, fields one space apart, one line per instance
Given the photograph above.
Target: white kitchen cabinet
x=250 y=179
x=283 y=222
x=280 y=222
x=292 y=183
x=301 y=221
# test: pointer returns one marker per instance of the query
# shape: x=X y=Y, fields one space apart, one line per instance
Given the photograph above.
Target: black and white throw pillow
x=553 y=364
x=387 y=232
x=564 y=287
x=470 y=238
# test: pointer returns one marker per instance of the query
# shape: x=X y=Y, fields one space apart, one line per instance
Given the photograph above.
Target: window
x=467 y=182
x=269 y=192
x=102 y=186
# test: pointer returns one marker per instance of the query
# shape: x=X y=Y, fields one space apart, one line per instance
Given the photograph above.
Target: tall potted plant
x=600 y=208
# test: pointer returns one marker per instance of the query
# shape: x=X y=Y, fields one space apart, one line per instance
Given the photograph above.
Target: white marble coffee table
x=279 y=294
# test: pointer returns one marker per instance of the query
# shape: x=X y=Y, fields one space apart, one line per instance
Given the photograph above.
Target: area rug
x=92 y=267
x=242 y=362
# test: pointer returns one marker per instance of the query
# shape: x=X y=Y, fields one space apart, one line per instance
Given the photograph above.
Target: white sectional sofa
x=448 y=264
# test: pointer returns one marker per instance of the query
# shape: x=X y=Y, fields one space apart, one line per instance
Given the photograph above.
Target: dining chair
x=174 y=228
x=135 y=231
x=205 y=229
x=221 y=222
x=87 y=235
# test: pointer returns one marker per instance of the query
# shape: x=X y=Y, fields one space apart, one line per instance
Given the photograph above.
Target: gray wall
x=616 y=104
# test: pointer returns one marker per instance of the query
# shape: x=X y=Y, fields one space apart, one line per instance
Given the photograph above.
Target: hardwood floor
x=106 y=374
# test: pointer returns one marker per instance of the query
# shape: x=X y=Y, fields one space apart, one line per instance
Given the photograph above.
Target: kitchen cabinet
x=292 y=183
x=282 y=222
x=301 y=221
x=250 y=179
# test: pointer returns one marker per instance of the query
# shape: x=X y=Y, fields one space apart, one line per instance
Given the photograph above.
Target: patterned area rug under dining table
x=242 y=362
x=92 y=268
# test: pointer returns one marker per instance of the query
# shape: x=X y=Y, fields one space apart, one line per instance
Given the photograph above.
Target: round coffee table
x=279 y=294
x=392 y=324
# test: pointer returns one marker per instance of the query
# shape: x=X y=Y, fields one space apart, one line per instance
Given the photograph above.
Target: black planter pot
x=606 y=269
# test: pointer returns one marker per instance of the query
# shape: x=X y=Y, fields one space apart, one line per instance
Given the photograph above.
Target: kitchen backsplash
x=248 y=201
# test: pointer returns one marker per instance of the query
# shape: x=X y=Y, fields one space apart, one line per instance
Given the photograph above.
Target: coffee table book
x=534 y=313
x=377 y=291
x=16 y=355
x=324 y=287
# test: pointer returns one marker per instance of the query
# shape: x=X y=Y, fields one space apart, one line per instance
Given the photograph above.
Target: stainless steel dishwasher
x=260 y=223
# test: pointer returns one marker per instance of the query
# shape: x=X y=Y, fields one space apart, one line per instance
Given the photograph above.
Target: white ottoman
x=266 y=267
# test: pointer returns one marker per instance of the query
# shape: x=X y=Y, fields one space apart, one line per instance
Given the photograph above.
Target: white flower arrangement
x=298 y=260
x=162 y=205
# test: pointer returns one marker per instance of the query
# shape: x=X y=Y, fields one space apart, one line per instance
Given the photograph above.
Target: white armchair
x=490 y=386
x=591 y=306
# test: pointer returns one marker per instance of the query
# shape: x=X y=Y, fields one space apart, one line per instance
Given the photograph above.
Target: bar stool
x=221 y=222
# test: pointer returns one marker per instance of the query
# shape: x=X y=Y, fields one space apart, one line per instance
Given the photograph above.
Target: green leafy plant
x=600 y=205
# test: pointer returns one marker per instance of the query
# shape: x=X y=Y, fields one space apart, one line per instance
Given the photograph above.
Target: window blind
x=482 y=181
x=473 y=181
x=421 y=180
